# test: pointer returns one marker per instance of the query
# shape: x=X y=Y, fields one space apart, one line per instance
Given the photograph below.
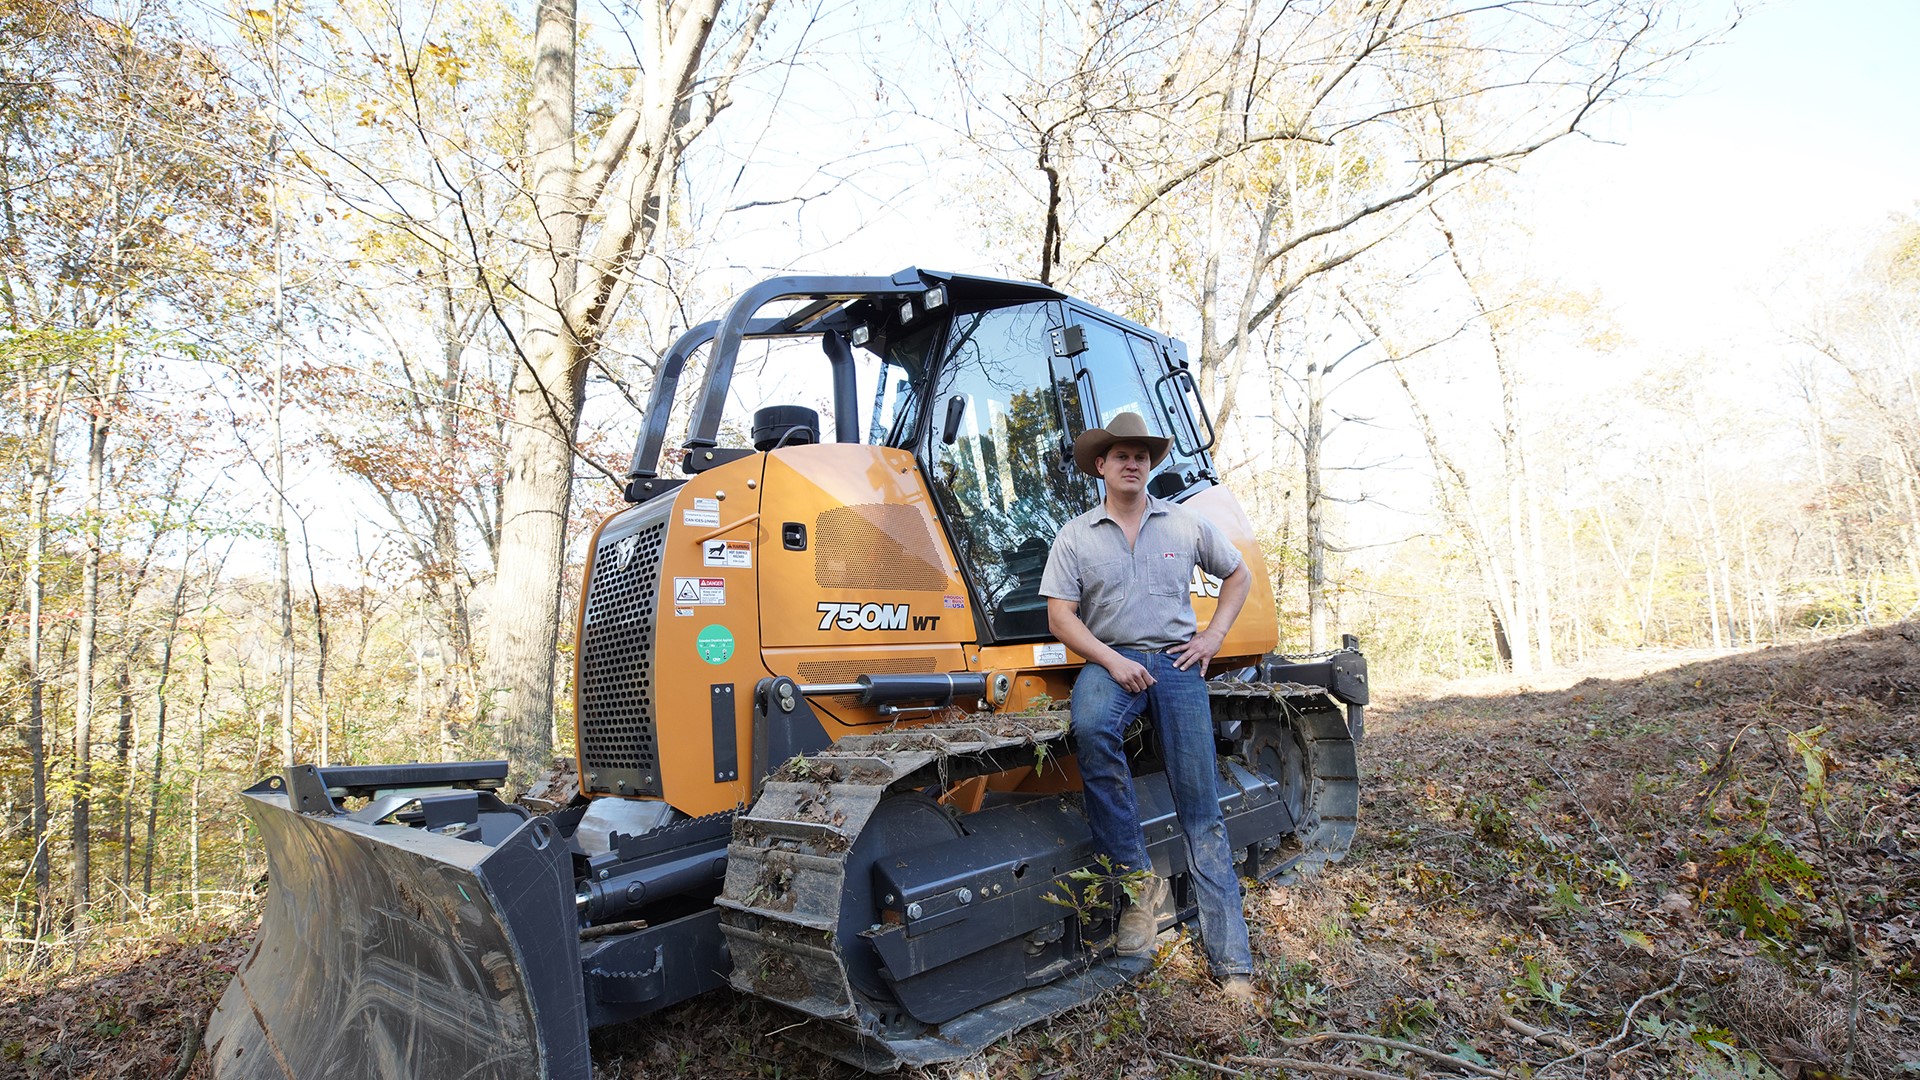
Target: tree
x=593 y=215
x=123 y=200
x=409 y=165
x=1865 y=329
x=40 y=365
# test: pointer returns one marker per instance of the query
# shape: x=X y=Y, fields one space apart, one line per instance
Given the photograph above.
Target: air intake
x=876 y=546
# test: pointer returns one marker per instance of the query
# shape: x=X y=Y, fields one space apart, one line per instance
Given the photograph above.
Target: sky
x=1799 y=130
x=1683 y=210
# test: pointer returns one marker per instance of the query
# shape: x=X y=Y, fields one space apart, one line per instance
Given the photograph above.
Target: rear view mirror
x=956 y=409
x=1186 y=413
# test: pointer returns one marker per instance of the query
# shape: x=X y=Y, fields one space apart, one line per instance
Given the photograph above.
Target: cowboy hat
x=1094 y=443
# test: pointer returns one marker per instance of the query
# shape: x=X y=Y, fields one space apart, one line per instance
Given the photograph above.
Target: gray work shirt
x=1136 y=598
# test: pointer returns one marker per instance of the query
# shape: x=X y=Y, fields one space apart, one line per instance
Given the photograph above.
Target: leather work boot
x=1238 y=988
x=1140 y=923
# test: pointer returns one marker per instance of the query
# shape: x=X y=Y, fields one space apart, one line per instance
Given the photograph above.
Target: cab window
x=1123 y=368
x=1006 y=480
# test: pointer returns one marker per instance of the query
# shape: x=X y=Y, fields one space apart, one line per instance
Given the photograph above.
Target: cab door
x=1120 y=370
x=1000 y=462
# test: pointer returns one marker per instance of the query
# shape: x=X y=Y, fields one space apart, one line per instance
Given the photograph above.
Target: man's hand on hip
x=1200 y=650
x=1130 y=674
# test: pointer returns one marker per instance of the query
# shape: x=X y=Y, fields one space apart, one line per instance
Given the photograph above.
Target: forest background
x=321 y=318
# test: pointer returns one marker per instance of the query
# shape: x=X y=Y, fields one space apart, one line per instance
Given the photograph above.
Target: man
x=1116 y=585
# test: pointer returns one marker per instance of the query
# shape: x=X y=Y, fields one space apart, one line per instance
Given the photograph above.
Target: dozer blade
x=401 y=954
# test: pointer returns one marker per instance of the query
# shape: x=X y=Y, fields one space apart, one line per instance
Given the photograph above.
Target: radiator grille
x=616 y=661
x=876 y=546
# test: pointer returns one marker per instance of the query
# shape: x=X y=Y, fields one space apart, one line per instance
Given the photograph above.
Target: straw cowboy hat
x=1094 y=443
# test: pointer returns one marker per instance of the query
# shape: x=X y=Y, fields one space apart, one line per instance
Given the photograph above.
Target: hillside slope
x=1627 y=876
x=1705 y=869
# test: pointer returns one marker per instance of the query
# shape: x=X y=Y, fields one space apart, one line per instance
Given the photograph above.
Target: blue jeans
x=1184 y=720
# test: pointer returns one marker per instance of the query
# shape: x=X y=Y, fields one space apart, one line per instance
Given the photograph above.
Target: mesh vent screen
x=616 y=657
x=876 y=545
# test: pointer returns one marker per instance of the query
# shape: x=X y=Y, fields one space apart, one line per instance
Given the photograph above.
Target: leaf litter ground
x=1666 y=865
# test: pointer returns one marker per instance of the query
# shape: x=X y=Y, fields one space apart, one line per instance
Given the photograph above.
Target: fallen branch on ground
x=1542 y=1035
x=1395 y=1044
x=1304 y=1065
x=1626 y=1024
x=189 y=1049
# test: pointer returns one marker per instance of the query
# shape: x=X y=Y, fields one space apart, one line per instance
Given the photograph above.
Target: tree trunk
x=320 y=642
x=160 y=690
x=525 y=614
x=1905 y=481
x=126 y=760
x=1521 y=629
x=1706 y=565
x=1502 y=647
x=199 y=774
x=1817 y=438
x=451 y=602
x=99 y=428
x=572 y=291
x=46 y=446
x=1316 y=533
x=1521 y=632
x=1723 y=565
x=1750 y=588
x=446 y=576
x=1575 y=589
x=1542 y=598
x=1230 y=110
x=1456 y=504
x=1653 y=581
x=283 y=559
x=548 y=386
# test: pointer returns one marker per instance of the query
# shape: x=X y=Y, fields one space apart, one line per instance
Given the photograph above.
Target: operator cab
x=986 y=382
x=1012 y=388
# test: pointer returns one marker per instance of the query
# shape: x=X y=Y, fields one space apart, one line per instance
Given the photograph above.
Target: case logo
x=623 y=551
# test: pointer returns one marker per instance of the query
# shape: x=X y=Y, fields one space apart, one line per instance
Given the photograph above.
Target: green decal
x=715 y=645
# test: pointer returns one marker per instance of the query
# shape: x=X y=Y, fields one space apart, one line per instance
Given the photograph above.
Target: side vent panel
x=876 y=546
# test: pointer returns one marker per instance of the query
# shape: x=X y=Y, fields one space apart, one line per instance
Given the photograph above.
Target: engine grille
x=617 y=737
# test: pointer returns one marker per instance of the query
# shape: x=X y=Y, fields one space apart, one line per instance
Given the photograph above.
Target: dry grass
x=1545 y=855
x=1606 y=873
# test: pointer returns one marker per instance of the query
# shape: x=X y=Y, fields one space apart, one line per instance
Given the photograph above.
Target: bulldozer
x=822 y=734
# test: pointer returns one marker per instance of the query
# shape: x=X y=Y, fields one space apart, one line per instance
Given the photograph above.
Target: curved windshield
x=1006 y=479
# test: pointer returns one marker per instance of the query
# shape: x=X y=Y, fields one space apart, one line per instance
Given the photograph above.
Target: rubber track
x=1331 y=803
x=786 y=870
x=786 y=873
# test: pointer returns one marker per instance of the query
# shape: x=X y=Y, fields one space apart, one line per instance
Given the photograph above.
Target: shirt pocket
x=1104 y=584
x=1169 y=573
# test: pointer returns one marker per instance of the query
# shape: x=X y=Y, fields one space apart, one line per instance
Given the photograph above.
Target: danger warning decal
x=688 y=591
